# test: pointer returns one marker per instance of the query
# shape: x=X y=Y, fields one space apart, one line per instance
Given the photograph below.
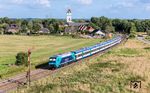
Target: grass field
x=42 y=48
x=109 y=73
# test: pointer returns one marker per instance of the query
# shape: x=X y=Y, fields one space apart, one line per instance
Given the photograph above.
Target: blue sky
x=80 y=8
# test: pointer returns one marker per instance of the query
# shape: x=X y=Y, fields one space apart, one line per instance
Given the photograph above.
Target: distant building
x=69 y=16
x=70 y=26
x=13 y=28
x=90 y=29
x=44 y=31
x=97 y=32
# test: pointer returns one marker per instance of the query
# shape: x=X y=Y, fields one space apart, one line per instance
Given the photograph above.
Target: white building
x=69 y=16
x=70 y=26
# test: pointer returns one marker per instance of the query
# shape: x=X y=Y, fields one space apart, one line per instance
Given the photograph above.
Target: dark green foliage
x=22 y=58
x=148 y=32
x=147 y=48
x=132 y=31
x=55 y=26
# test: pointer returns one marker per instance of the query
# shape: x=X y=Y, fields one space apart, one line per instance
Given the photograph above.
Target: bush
x=148 y=32
x=147 y=38
x=75 y=36
x=22 y=58
x=132 y=35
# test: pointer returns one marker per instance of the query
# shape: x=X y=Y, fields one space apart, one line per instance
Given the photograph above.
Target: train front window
x=52 y=59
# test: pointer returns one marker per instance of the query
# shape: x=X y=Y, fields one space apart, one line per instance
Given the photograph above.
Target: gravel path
x=143 y=40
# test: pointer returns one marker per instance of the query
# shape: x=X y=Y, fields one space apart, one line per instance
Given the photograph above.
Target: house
x=73 y=27
x=13 y=28
x=90 y=29
x=97 y=32
x=44 y=31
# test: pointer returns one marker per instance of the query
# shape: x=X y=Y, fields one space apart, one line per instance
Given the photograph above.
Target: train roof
x=82 y=49
x=87 y=48
x=62 y=55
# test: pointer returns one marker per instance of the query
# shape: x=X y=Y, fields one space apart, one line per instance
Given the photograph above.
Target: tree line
x=31 y=25
x=130 y=26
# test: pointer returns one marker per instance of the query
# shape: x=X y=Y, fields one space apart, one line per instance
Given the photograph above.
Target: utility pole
x=29 y=67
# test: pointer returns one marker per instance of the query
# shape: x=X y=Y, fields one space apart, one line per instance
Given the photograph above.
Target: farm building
x=44 y=31
x=97 y=32
x=13 y=28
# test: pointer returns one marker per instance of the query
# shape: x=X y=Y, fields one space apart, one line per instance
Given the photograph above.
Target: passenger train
x=73 y=56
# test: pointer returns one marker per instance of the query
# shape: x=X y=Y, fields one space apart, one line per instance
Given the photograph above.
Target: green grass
x=127 y=52
x=42 y=48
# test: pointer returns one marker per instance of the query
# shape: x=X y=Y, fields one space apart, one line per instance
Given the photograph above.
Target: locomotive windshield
x=52 y=59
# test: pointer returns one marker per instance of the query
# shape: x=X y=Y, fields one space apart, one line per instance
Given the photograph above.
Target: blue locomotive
x=61 y=59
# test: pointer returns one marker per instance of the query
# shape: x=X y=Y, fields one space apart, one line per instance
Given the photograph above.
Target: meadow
x=42 y=48
x=108 y=73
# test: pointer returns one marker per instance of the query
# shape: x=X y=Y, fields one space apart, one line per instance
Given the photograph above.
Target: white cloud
x=45 y=3
x=85 y=2
x=127 y=4
x=147 y=7
x=1 y=7
x=17 y=1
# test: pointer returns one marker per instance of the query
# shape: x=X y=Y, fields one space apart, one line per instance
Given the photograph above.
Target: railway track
x=20 y=80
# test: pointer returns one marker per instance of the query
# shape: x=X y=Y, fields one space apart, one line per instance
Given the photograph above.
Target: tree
x=24 y=29
x=139 y=26
x=132 y=30
x=51 y=28
x=56 y=27
x=101 y=22
x=94 y=25
x=109 y=29
x=148 y=32
x=6 y=20
x=4 y=27
x=36 y=27
x=30 y=26
x=94 y=20
x=1 y=29
x=22 y=58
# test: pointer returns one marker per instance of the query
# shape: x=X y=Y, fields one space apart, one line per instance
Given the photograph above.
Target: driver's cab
x=52 y=61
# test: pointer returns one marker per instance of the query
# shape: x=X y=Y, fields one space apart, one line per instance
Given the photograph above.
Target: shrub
x=22 y=58
x=132 y=36
x=148 y=32
x=147 y=38
x=75 y=36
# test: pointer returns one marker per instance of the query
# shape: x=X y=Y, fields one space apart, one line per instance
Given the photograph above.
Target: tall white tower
x=69 y=16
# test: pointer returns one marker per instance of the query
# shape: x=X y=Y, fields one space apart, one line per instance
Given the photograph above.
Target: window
x=52 y=59
x=66 y=59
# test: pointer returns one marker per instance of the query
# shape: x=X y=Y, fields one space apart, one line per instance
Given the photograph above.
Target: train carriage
x=59 y=60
